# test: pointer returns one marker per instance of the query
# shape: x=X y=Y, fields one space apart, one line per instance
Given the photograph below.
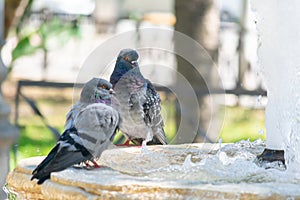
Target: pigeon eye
x=126 y=58
x=103 y=86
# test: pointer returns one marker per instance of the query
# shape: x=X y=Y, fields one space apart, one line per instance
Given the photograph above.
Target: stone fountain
x=8 y=133
x=203 y=171
x=278 y=26
x=188 y=171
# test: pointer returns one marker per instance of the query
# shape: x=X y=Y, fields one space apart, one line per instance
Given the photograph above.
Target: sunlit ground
x=37 y=140
x=243 y=124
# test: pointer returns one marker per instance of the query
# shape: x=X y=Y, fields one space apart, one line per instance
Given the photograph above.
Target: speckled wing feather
x=152 y=113
x=137 y=101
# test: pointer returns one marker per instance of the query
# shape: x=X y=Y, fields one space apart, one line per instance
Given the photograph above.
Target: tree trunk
x=10 y=10
x=8 y=133
x=199 y=19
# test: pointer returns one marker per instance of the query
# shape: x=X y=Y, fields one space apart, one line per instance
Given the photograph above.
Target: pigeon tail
x=65 y=154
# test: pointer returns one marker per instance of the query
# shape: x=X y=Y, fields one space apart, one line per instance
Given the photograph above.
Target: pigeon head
x=126 y=61
x=129 y=57
x=96 y=90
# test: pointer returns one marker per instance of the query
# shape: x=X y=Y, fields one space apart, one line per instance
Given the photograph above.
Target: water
x=11 y=195
x=278 y=25
x=232 y=163
x=195 y=165
x=191 y=167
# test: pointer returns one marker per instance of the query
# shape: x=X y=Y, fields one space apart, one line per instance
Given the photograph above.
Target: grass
x=36 y=140
x=243 y=124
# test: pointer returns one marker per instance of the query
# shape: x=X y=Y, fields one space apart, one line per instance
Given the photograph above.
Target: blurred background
x=46 y=42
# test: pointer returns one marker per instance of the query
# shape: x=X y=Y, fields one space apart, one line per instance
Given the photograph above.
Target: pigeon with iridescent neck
x=92 y=130
x=137 y=101
x=95 y=90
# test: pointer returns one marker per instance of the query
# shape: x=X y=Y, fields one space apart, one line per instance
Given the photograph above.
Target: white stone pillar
x=8 y=133
x=278 y=25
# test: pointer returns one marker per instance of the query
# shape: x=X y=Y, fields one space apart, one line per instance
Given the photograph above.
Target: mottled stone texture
x=106 y=183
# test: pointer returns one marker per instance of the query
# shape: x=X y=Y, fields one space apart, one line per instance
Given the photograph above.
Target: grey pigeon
x=137 y=101
x=93 y=130
x=95 y=90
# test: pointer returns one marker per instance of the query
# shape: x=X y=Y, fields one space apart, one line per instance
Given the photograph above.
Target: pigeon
x=93 y=130
x=95 y=90
x=137 y=101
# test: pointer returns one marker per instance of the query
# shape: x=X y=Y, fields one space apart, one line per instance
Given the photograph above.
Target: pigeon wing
x=97 y=125
x=70 y=117
x=152 y=114
x=67 y=152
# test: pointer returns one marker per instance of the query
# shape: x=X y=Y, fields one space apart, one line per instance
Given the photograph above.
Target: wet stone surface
x=190 y=171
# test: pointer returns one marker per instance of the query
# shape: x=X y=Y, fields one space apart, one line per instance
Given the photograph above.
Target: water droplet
x=144 y=149
x=259 y=98
x=261 y=131
x=220 y=142
x=188 y=162
x=224 y=158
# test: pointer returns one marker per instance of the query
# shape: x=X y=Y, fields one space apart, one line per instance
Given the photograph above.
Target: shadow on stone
x=271 y=159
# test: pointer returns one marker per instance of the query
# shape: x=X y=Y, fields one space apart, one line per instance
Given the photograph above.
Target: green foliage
x=55 y=33
x=24 y=48
x=48 y=35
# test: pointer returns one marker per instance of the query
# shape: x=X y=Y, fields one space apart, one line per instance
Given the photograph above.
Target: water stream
x=278 y=25
x=232 y=163
x=191 y=166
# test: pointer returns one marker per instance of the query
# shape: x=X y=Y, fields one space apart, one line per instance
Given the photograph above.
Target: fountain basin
x=188 y=171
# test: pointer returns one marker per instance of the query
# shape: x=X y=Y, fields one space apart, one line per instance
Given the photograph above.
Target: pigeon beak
x=111 y=91
x=134 y=63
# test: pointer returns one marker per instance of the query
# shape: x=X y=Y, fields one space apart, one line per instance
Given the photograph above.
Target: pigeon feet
x=96 y=164
x=89 y=166
x=126 y=144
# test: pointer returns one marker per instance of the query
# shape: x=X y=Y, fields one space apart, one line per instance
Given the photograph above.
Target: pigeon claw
x=96 y=164
x=126 y=144
x=93 y=166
